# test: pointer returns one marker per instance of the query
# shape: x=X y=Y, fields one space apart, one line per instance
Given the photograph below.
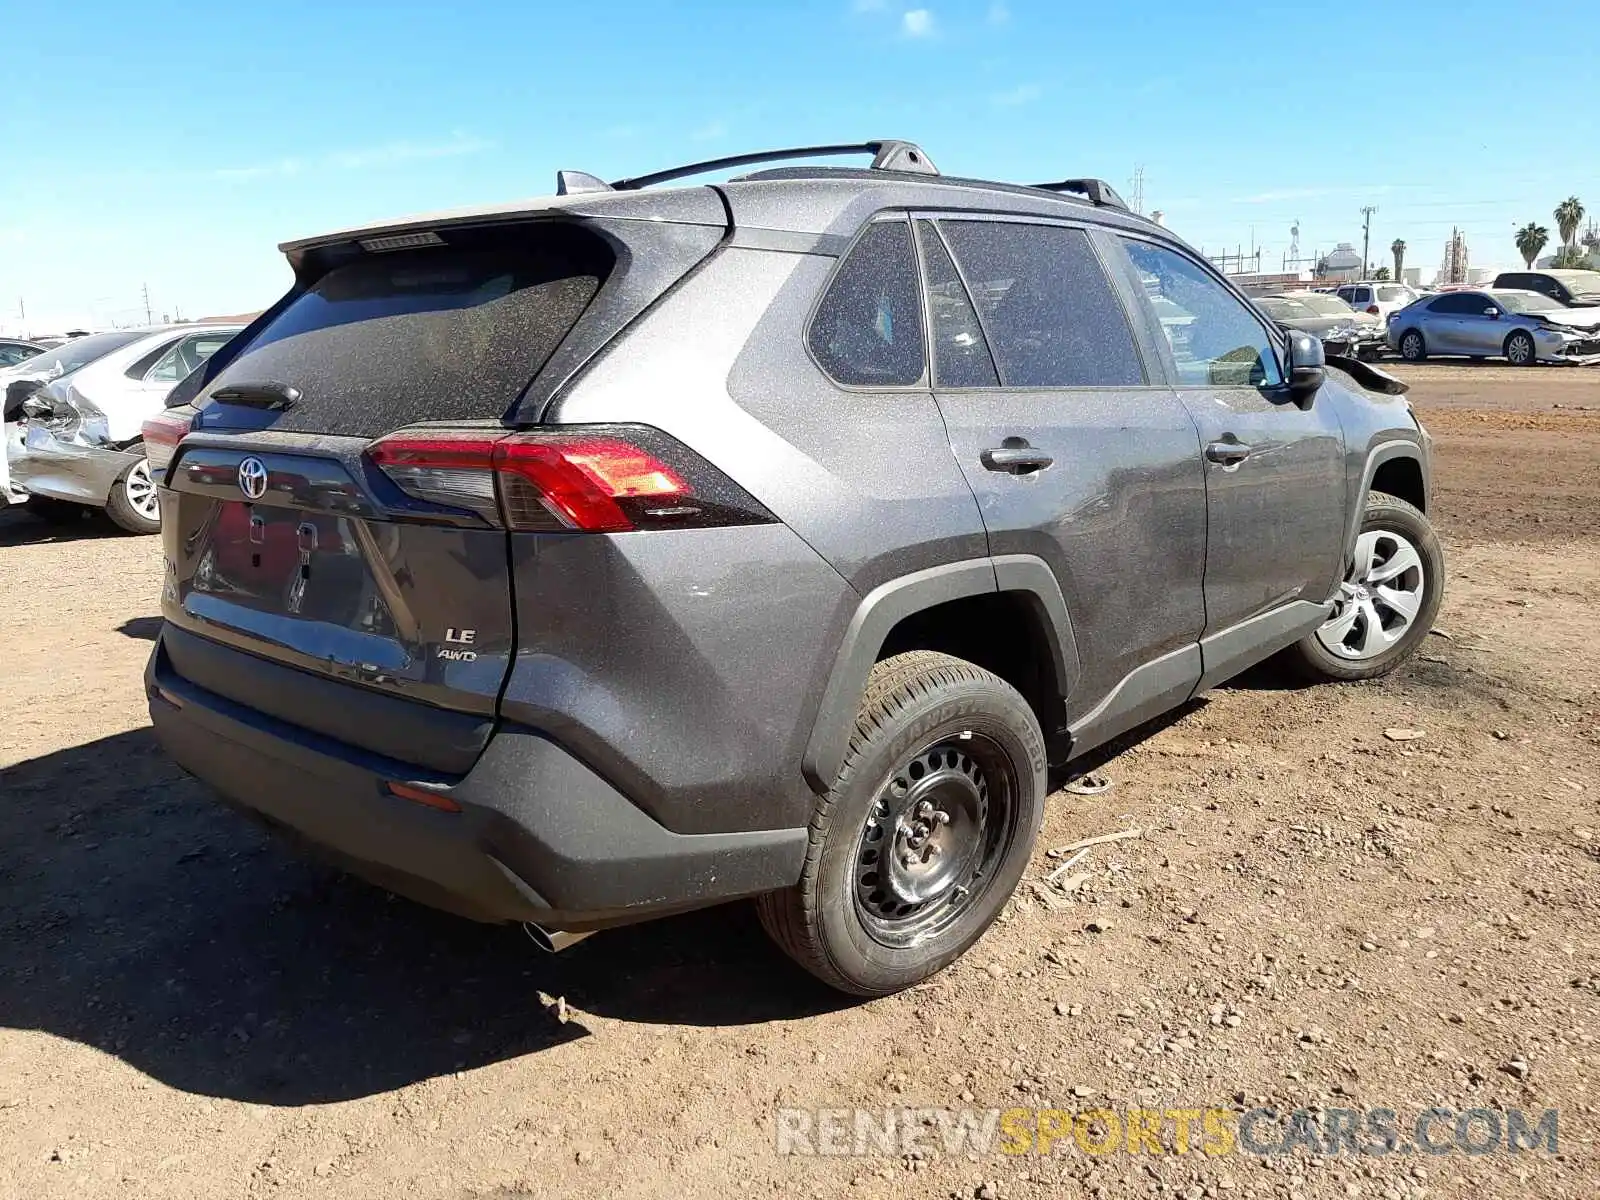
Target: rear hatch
x=303 y=525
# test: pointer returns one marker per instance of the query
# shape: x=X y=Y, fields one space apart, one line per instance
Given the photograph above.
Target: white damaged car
x=73 y=440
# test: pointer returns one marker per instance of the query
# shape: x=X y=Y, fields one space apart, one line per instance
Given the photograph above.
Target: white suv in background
x=1380 y=297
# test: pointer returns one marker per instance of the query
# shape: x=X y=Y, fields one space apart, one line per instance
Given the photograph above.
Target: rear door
x=1077 y=452
x=1275 y=473
x=285 y=540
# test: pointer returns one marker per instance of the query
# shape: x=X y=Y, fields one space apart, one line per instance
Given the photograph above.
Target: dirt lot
x=1315 y=917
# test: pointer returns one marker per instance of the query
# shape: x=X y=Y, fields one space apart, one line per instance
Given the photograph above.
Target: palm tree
x=1531 y=239
x=1569 y=215
x=1398 y=249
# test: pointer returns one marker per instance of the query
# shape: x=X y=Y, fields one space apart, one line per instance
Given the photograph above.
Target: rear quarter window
x=867 y=331
x=451 y=332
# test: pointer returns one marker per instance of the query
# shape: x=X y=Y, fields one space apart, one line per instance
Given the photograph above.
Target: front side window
x=1052 y=317
x=868 y=328
x=1461 y=304
x=1215 y=340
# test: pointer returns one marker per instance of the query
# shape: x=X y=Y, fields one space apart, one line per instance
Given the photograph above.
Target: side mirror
x=1308 y=368
x=1492 y=313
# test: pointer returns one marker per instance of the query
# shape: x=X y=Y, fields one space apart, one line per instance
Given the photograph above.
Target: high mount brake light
x=595 y=479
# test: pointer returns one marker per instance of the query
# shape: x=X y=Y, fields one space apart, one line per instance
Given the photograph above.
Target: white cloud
x=1023 y=93
x=917 y=23
x=999 y=12
x=361 y=159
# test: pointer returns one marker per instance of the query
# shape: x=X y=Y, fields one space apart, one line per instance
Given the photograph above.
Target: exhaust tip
x=552 y=941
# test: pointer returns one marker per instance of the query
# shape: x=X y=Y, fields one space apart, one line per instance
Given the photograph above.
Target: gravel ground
x=1316 y=916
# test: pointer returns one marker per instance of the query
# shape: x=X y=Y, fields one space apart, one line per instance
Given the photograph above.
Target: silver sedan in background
x=1522 y=327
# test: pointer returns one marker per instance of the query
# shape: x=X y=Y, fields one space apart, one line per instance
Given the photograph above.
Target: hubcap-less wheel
x=1519 y=349
x=932 y=839
x=140 y=491
x=1411 y=346
x=1379 y=598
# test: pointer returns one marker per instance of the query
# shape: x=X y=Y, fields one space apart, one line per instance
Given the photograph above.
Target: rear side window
x=868 y=328
x=1051 y=316
x=451 y=332
x=1458 y=304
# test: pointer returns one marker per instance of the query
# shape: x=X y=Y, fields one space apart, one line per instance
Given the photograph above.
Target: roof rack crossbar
x=887 y=155
x=1099 y=192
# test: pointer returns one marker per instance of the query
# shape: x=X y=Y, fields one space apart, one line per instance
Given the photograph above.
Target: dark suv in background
x=1573 y=289
x=633 y=550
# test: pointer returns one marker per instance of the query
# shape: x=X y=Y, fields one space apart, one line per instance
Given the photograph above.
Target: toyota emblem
x=253 y=478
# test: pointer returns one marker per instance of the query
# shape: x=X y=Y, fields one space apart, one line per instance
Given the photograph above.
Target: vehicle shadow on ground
x=145 y=628
x=19 y=528
x=141 y=917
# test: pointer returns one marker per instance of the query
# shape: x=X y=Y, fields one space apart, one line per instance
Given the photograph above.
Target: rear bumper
x=539 y=836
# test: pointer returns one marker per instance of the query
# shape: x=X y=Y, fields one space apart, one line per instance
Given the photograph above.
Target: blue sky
x=175 y=145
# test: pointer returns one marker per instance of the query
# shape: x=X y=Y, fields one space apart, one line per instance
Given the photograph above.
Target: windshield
x=1325 y=306
x=1527 y=302
x=63 y=360
x=1581 y=283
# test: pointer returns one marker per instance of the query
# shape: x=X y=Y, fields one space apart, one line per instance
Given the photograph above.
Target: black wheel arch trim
x=890 y=603
x=1376 y=457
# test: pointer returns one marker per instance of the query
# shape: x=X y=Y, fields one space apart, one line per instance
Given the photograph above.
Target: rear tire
x=132 y=504
x=1387 y=602
x=925 y=833
x=1520 y=350
x=1413 y=346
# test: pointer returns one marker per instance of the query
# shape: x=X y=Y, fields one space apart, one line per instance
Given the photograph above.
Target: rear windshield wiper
x=279 y=396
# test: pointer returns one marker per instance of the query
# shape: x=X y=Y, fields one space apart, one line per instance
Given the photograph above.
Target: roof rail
x=888 y=154
x=1099 y=192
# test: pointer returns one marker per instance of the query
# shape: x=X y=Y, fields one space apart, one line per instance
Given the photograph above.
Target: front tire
x=133 y=504
x=1388 y=599
x=1413 y=347
x=1520 y=350
x=925 y=833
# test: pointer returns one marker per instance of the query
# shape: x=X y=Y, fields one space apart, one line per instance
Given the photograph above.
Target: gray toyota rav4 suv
x=637 y=549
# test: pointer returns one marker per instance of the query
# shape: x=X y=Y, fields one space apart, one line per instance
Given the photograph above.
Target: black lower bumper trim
x=539 y=837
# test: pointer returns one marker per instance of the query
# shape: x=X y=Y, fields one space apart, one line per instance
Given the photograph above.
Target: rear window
x=82 y=351
x=1393 y=293
x=446 y=333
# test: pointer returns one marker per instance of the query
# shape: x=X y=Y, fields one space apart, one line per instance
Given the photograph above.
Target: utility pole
x=1366 y=238
x=147 y=318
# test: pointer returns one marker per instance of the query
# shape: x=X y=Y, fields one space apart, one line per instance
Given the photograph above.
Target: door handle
x=1016 y=460
x=1229 y=454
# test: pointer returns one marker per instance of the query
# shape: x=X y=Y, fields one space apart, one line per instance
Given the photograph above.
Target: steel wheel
x=140 y=492
x=933 y=838
x=1379 y=598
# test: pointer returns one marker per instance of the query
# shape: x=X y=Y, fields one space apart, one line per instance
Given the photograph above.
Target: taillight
x=1372 y=309
x=161 y=434
x=591 y=479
